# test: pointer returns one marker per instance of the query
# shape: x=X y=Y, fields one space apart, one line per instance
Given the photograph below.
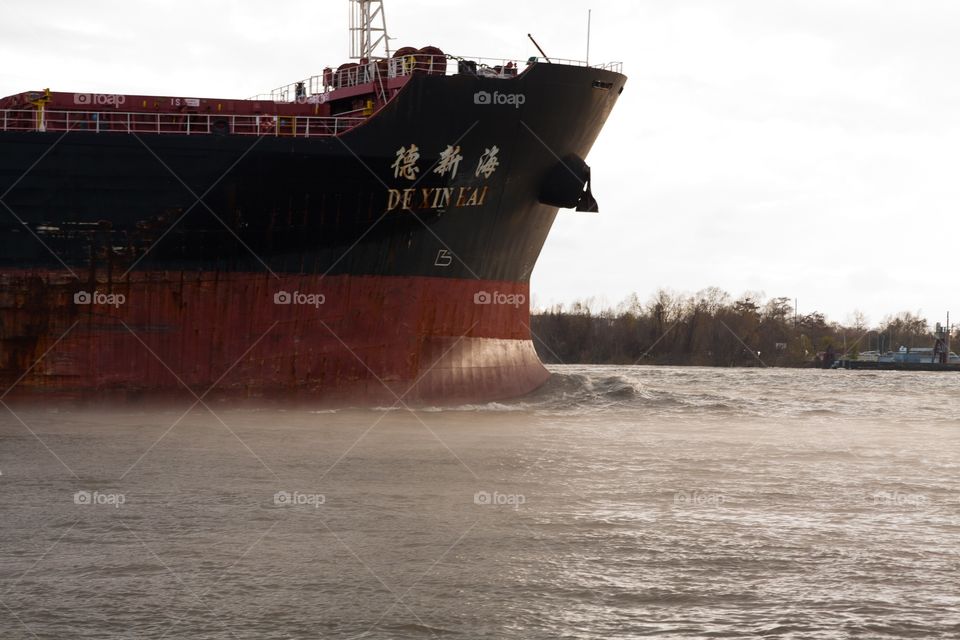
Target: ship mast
x=368 y=30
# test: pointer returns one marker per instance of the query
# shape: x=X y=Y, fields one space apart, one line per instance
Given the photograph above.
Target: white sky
x=804 y=148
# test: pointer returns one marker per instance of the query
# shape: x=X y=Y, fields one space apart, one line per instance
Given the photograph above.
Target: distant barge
x=938 y=358
x=873 y=365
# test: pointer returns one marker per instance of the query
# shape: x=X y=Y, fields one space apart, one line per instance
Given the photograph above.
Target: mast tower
x=368 y=30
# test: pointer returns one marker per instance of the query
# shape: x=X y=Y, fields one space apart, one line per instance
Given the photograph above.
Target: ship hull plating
x=337 y=338
x=354 y=268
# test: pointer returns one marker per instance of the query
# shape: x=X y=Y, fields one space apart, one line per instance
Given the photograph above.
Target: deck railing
x=315 y=89
x=175 y=123
x=493 y=63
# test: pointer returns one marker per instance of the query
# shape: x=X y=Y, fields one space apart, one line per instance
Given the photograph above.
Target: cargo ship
x=365 y=235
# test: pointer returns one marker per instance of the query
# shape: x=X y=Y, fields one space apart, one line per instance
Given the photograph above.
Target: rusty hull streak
x=389 y=329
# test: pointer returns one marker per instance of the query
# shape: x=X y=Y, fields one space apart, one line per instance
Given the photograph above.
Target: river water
x=616 y=502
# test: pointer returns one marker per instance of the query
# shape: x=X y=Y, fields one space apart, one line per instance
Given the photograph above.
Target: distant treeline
x=710 y=328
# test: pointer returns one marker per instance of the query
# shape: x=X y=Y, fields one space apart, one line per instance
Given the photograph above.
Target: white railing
x=494 y=63
x=616 y=67
x=315 y=89
x=176 y=123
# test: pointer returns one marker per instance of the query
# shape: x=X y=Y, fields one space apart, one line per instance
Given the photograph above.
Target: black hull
x=108 y=201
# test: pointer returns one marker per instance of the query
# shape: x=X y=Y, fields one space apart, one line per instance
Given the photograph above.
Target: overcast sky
x=801 y=148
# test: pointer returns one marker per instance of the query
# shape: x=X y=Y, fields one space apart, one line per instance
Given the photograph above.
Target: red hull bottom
x=326 y=340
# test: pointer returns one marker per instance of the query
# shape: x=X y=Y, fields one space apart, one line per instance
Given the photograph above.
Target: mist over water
x=614 y=502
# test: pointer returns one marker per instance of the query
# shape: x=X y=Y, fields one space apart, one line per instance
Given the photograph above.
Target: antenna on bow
x=589 y=21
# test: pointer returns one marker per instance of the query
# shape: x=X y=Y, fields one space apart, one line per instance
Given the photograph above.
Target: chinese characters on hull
x=405 y=168
x=405 y=165
x=488 y=162
x=449 y=162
